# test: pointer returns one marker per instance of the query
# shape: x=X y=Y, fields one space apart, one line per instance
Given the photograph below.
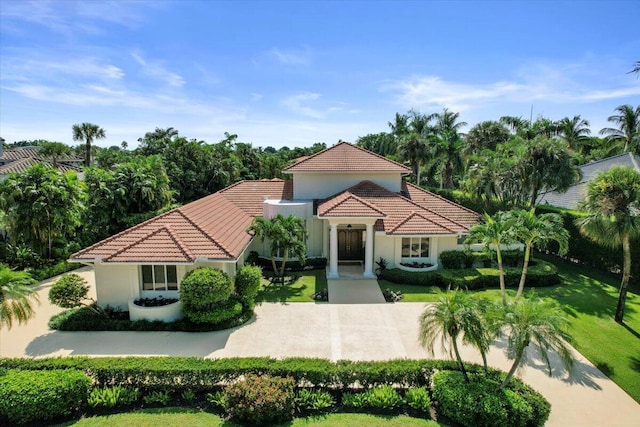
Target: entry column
x=333 y=251
x=368 y=252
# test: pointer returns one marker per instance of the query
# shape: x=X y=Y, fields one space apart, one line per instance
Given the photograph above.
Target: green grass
x=187 y=417
x=299 y=289
x=589 y=298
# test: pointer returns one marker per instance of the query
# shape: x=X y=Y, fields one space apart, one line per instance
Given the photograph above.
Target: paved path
x=362 y=291
x=333 y=331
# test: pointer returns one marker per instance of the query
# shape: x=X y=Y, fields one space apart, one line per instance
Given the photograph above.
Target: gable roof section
x=21 y=165
x=572 y=197
x=349 y=205
x=249 y=195
x=429 y=214
x=344 y=157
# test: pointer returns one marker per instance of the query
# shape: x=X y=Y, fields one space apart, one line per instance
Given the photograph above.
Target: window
x=159 y=278
x=415 y=247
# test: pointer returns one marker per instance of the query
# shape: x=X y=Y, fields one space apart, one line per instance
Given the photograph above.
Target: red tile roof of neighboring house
x=21 y=165
x=344 y=157
x=419 y=212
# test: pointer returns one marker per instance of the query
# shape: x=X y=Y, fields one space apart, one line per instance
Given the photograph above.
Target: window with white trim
x=415 y=247
x=159 y=277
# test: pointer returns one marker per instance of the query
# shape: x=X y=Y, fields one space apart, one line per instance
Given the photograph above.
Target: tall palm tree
x=88 y=132
x=54 y=150
x=538 y=322
x=537 y=231
x=574 y=131
x=455 y=315
x=636 y=68
x=496 y=230
x=628 y=130
x=613 y=206
x=16 y=297
x=448 y=144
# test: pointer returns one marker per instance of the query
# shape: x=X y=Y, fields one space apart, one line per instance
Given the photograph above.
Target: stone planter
x=406 y=268
x=165 y=313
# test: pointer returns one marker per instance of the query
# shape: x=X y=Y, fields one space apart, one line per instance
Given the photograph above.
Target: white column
x=333 y=252
x=368 y=252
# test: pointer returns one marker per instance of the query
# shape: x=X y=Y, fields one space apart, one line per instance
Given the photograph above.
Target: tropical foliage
x=17 y=297
x=88 y=132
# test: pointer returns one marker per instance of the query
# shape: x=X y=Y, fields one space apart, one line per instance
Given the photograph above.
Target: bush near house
x=293 y=265
x=467 y=259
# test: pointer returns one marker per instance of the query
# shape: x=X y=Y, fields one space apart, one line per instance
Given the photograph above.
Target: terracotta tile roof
x=349 y=205
x=249 y=195
x=13 y=154
x=21 y=165
x=344 y=157
x=427 y=214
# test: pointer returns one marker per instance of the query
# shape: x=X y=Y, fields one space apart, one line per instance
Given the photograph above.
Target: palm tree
x=454 y=315
x=533 y=320
x=636 y=68
x=613 y=206
x=448 y=144
x=16 y=297
x=286 y=236
x=413 y=142
x=574 y=131
x=537 y=231
x=54 y=150
x=628 y=130
x=497 y=230
x=88 y=132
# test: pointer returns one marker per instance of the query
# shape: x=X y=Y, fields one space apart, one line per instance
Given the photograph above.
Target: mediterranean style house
x=355 y=204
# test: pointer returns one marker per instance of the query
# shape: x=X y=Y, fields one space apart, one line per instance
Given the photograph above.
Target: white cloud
x=157 y=71
x=25 y=68
x=298 y=103
x=290 y=57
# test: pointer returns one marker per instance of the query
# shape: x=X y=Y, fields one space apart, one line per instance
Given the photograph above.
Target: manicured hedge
x=294 y=265
x=28 y=396
x=540 y=274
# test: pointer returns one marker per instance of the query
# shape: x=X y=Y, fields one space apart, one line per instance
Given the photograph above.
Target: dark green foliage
x=383 y=399
x=295 y=265
x=418 y=399
x=260 y=400
x=157 y=398
x=33 y=396
x=216 y=313
x=307 y=401
x=248 y=282
x=584 y=251
x=453 y=259
x=540 y=274
x=69 y=291
x=479 y=403
x=205 y=293
x=512 y=258
x=60 y=267
x=112 y=397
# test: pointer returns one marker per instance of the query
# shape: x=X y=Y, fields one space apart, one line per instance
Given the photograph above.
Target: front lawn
x=589 y=297
x=299 y=287
x=180 y=417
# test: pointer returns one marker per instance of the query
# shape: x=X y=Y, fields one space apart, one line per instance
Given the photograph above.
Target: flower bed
x=166 y=313
x=417 y=266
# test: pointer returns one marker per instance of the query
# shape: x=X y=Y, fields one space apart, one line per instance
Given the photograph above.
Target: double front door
x=350 y=245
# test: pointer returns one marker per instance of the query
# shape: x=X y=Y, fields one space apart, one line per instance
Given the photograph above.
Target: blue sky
x=294 y=73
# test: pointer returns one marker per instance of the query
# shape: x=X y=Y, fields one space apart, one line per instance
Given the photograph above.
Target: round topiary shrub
x=260 y=400
x=203 y=290
x=248 y=282
x=69 y=291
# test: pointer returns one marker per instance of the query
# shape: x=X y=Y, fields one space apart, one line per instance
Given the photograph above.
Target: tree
x=533 y=320
x=497 y=230
x=628 y=130
x=529 y=129
x=88 y=132
x=574 y=131
x=455 y=315
x=54 y=150
x=448 y=145
x=537 y=231
x=16 y=297
x=613 y=205
x=70 y=291
x=42 y=204
x=486 y=135
x=412 y=142
x=286 y=236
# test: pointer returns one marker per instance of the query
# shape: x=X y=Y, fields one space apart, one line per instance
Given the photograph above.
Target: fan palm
x=613 y=206
x=88 y=132
x=537 y=231
x=16 y=297
x=535 y=321
x=628 y=130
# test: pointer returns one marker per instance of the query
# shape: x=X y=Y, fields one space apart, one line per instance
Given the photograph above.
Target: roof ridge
x=141 y=239
x=176 y=238
x=351 y=195
x=416 y=213
x=441 y=198
x=200 y=229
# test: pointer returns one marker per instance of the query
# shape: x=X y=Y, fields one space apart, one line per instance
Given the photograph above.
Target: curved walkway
x=586 y=397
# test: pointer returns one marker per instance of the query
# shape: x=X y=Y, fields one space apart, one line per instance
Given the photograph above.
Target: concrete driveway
x=586 y=397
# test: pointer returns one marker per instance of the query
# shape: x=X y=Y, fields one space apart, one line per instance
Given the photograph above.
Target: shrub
x=248 y=282
x=313 y=400
x=480 y=403
x=204 y=289
x=294 y=265
x=260 y=400
x=188 y=396
x=512 y=258
x=157 y=397
x=217 y=313
x=71 y=291
x=216 y=399
x=419 y=278
x=33 y=396
x=418 y=399
x=453 y=259
x=353 y=401
x=60 y=267
x=383 y=399
x=111 y=397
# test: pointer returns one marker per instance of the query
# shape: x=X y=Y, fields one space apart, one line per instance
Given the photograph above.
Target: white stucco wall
x=385 y=247
x=390 y=248
x=321 y=185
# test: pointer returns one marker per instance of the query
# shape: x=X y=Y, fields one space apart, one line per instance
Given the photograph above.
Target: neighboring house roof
x=404 y=214
x=572 y=197
x=213 y=227
x=21 y=165
x=344 y=157
x=13 y=154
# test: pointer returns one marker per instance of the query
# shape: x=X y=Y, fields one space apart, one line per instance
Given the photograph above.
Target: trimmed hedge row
x=540 y=274
x=293 y=265
x=467 y=259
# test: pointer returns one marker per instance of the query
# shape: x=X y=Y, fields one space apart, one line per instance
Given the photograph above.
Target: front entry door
x=350 y=245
